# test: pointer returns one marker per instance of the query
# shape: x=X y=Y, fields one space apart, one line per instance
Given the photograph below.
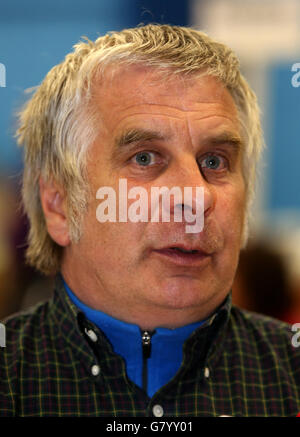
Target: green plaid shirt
x=238 y=363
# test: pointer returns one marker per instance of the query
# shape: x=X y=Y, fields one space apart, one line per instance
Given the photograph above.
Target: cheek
x=111 y=243
x=231 y=214
x=230 y=219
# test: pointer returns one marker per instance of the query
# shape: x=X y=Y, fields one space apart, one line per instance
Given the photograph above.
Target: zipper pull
x=146 y=343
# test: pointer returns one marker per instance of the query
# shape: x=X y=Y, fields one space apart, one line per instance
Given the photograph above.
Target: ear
x=53 y=202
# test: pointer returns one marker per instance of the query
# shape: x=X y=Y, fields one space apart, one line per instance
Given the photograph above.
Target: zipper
x=146 y=346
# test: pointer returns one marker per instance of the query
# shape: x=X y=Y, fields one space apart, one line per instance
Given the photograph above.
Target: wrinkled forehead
x=138 y=86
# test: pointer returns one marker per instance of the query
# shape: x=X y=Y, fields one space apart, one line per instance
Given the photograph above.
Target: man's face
x=186 y=134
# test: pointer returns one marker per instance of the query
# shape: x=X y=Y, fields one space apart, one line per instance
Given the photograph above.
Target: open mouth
x=180 y=249
x=182 y=255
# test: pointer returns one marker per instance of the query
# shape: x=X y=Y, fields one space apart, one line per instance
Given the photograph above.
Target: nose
x=197 y=194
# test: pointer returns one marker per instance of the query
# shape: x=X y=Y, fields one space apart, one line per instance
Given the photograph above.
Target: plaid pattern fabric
x=238 y=363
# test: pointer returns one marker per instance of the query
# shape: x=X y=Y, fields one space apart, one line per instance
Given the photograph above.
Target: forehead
x=127 y=96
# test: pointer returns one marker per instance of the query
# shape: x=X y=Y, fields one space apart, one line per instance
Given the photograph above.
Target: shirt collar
x=126 y=337
x=205 y=343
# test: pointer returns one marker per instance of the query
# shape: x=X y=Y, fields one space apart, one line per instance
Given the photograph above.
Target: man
x=141 y=322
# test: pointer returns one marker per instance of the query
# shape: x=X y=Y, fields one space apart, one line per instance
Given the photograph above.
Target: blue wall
x=35 y=35
x=283 y=140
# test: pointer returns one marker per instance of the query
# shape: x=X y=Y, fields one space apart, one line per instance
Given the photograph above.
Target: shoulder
x=23 y=328
x=266 y=335
x=258 y=322
x=23 y=338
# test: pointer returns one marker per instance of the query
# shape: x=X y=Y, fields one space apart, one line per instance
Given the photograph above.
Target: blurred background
x=35 y=35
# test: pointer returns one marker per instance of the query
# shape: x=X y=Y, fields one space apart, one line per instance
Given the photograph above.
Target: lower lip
x=183 y=259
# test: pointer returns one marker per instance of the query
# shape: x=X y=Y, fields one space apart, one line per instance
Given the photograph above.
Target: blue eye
x=212 y=162
x=143 y=158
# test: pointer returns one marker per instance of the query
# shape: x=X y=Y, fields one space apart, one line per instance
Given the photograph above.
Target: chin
x=184 y=294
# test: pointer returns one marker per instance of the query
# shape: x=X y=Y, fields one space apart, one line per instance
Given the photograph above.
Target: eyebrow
x=135 y=136
x=225 y=138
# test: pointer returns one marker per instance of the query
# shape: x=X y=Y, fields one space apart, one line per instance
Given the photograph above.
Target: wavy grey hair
x=59 y=123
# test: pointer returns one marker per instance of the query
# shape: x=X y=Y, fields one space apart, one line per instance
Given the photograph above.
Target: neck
x=130 y=309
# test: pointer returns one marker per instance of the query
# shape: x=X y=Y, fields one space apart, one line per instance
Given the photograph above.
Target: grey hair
x=58 y=124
